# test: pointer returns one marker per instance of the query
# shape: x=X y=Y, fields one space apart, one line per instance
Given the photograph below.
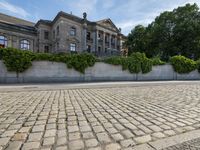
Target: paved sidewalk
x=109 y=118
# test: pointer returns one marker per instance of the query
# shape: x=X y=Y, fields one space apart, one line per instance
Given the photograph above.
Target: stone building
x=65 y=33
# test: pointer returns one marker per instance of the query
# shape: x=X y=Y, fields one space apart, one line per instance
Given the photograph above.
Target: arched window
x=25 y=45
x=3 y=41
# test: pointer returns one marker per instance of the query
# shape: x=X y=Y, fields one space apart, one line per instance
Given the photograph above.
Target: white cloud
x=13 y=9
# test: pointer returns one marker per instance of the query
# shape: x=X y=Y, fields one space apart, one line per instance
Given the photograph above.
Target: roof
x=17 y=28
x=74 y=18
x=101 y=22
x=15 y=20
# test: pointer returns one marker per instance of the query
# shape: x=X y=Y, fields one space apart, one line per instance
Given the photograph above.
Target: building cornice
x=18 y=28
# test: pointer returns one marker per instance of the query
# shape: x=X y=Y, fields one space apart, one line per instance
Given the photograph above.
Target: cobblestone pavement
x=96 y=118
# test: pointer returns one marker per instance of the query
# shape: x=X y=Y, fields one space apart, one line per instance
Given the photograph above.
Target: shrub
x=182 y=64
x=142 y=61
x=80 y=62
x=16 y=60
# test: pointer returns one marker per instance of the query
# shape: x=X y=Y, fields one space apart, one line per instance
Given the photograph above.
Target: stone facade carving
x=65 y=33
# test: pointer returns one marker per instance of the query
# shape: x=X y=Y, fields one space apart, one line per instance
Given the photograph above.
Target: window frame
x=88 y=35
x=57 y=30
x=46 y=35
x=72 y=31
x=72 y=47
x=23 y=44
x=4 y=41
x=45 y=50
x=89 y=48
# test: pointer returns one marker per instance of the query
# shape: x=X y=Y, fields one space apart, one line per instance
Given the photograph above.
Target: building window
x=58 y=30
x=99 y=36
x=46 y=35
x=106 y=39
x=73 y=31
x=88 y=48
x=3 y=41
x=106 y=50
x=72 y=47
x=46 y=49
x=25 y=45
x=88 y=35
x=99 y=49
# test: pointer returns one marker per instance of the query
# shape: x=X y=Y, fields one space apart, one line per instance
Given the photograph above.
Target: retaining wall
x=45 y=71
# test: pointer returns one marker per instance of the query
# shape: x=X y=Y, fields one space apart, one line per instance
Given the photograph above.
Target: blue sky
x=124 y=13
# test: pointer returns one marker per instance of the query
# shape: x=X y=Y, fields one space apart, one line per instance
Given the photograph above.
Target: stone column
x=104 y=42
x=120 y=44
x=94 y=41
x=97 y=41
x=9 y=41
x=115 y=42
x=110 y=37
x=84 y=38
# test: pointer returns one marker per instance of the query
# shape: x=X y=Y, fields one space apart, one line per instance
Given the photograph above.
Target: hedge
x=19 y=61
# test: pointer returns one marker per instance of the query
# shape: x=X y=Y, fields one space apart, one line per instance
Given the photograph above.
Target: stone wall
x=44 y=71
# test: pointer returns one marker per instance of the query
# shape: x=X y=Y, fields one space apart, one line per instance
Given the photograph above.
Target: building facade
x=65 y=33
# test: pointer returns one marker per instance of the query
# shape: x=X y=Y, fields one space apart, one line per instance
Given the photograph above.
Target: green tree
x=171 y=33
x=136 y=39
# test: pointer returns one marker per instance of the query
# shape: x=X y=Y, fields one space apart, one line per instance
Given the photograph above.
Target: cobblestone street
x=108 y=118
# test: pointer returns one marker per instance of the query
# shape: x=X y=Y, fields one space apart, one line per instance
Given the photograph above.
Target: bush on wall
x=182 y=64
x=136 y=63
x=18 y=60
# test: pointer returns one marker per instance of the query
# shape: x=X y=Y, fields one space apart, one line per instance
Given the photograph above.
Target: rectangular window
x=46 y=35
x=88 y=35
x=72 y=47
x=73 y=31
x=99 y=49
x=88 y=48
x=106 y=50
x=3 y=41
x=99 y=36
x=46 y=49
x=106 y=39
x=58 y=30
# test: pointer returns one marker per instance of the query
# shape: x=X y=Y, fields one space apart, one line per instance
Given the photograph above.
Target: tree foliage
x=172 y=33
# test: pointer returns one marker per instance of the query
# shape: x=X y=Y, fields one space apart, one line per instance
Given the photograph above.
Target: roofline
x=18 y=28
x=29 y=22
x=76 y=19
x=42 y=22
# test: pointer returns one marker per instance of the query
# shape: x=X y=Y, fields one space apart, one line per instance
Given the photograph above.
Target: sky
x=126 y=14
